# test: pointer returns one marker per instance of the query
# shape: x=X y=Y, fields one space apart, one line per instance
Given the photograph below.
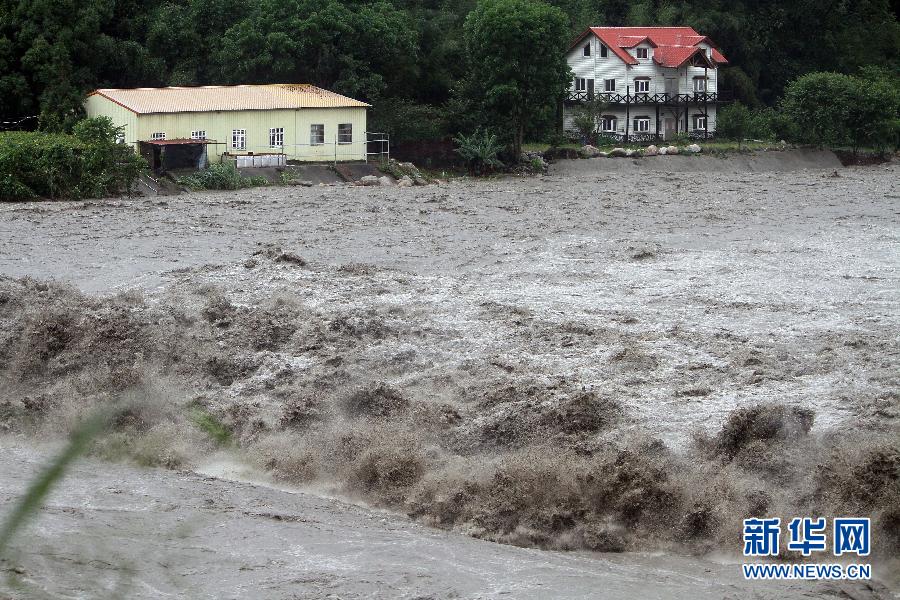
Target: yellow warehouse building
x=258 y=125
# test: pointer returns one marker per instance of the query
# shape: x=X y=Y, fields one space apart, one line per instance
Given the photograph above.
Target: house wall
x=647 y=110
x=98 y=106
x=612 y=67
x=219 y=125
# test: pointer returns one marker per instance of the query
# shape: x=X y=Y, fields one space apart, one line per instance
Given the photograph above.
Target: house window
x=604 y=51
x=609 y=85
x=317 y=135
x=239 y=139
x=580 y=84
x=608 y=123
x=641 y=124
x=641 y=86
x=699 y=122
x=200 y=134
x=345 y=133
x=586 y=51
x=641 y=52
x=276 y=137
x=699 y=84
x=159 y=135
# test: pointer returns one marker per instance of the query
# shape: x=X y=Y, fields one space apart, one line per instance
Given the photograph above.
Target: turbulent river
x=357 y=392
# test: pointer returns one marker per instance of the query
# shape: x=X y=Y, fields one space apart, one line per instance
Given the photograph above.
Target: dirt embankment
x=750 y=162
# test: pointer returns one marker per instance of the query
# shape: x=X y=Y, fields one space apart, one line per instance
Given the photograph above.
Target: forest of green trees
x=408 y=58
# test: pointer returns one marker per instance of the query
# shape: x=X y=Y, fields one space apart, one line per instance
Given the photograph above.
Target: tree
x=516 y=53
x=831 y=109
x=733 y=122
x=587 y=117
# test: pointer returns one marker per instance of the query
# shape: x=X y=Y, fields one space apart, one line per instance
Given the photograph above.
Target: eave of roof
x=675 y=56
x=226 y=98
x=618 y=38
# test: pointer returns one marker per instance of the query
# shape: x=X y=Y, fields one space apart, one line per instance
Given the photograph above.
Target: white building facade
x=656 y=82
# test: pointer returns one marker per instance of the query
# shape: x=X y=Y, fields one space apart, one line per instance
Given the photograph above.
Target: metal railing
x=647 y=98
x=378 y=146
x=331 y=151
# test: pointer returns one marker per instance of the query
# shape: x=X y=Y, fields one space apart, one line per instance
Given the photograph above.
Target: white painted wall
x=612 y=67
x=647 y=111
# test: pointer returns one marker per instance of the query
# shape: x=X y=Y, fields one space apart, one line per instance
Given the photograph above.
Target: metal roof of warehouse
x=211 y=98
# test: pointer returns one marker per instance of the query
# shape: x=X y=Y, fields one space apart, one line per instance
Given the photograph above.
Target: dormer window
x=641 y=53
x=604 y=51
x=586 y=51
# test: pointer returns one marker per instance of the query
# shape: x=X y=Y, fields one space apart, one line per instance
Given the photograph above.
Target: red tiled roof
x=675 y=44
x=675 y=56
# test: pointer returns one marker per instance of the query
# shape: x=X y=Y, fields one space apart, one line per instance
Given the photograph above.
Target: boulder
x=405 y=181
x=693 y=149
x=602 y=154
x=663 y=151
x=651 y=150
x=369 y=180
x=618 y=153
x=588 y=151
x=672 y=150
x=419 y=180
x=300 y=182
x=385 y=180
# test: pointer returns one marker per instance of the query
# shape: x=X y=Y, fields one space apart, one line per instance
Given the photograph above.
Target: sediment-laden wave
x=324 y=398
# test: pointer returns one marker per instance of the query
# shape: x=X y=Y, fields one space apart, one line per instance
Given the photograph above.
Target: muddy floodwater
x=567 y=364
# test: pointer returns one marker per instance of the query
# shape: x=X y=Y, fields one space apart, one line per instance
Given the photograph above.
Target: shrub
x=480 y=151
x=831 y=109
x=733 y=122
x=406 y=121
x=586 y=117
x=221 y=176
x=87 y=164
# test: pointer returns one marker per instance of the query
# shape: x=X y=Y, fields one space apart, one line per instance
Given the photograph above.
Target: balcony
x=664 y=99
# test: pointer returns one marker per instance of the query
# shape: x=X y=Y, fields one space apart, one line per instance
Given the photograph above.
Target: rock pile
x=651 y=150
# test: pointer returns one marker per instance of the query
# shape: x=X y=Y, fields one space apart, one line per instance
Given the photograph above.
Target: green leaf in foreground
x=52 y=474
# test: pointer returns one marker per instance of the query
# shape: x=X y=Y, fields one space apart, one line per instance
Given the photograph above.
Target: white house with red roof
x=657 y=82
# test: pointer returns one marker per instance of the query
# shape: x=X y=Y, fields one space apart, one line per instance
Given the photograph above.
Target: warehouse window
x=159 y=135
x=276 y=137
x=316 y=135
x=345 y=133
x=200 y=134
x=120 y=137
x=239 y=139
